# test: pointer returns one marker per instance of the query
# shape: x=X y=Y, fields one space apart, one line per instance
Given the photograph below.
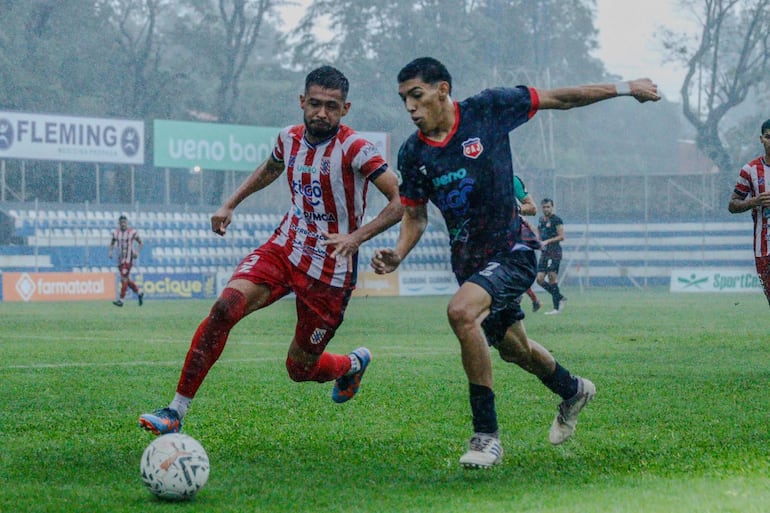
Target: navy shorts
x=505 y=278
x=549 y=263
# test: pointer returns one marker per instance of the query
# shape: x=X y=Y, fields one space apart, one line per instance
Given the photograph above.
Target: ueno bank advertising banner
x=71 y=138
x=223 y=147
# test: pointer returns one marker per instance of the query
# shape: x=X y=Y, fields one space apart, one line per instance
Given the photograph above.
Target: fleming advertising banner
x=69 y=138
x=34 y=287
x=719 y=280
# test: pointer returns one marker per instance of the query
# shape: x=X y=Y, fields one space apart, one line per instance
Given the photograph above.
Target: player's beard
x=319 y=130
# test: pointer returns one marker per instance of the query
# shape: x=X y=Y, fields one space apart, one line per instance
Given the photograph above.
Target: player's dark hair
x=547 y=201
x=328 y=77
x=430 y=70
x=122 y=218
x=765 y=126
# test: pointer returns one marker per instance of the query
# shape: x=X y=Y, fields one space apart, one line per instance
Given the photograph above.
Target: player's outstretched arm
x=346 y=244
x=263 y=176
x=563 y=98
x=413 y=225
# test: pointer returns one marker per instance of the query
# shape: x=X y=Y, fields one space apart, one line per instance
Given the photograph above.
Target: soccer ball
x=174 y=467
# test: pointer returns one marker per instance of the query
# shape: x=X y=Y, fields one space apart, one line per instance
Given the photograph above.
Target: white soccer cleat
x=563 y=426
x=484 y=451
x=552 y=312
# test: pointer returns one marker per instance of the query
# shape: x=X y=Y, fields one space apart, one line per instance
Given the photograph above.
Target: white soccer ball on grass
x=174 y=467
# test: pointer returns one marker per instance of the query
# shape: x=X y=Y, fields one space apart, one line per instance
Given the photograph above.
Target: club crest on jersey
x=326 y=166
x=472 y=148
x=317 y=336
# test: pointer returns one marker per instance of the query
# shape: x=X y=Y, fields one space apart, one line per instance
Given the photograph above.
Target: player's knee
x=458 y=314
x=299 y=371
x=230 y=307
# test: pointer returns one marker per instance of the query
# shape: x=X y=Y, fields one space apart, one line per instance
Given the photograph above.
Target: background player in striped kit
x=312 y=253
x=129 y=244
x=751 y=193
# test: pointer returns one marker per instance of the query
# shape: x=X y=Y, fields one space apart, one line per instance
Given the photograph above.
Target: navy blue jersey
x=469 y=176
x=548 y=228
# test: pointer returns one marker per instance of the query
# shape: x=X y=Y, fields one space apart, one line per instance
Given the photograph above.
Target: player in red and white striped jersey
x=312 y=253
x=129 y=244
x=752 y=193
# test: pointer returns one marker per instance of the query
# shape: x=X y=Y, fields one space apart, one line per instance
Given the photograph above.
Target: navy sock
x=561 y=382
x=483 y=409
x=556 y=295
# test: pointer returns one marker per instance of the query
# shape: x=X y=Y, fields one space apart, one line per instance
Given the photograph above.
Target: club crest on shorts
x=472 y=148
x=317 y=336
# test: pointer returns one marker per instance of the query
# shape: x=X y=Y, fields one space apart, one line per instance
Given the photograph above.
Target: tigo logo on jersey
x=472 y=148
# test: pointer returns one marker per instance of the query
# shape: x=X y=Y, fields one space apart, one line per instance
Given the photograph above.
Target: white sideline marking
x=181 y=360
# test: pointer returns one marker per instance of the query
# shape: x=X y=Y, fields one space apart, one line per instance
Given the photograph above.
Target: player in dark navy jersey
x=460 y=160
x=550 y=228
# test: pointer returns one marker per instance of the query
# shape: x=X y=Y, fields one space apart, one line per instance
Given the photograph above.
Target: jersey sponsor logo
x=314 y=217
x=472 y=148
x=312 y=191
x=324 y=169
x=455 y=199
x=452 y=176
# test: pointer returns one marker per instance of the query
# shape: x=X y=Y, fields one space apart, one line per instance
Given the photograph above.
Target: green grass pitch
x=679 y=423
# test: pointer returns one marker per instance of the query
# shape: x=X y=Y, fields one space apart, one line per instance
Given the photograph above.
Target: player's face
x=123 y=224
x=323 y=108
x=765 y=140
x=547 y=209
x=423 y=102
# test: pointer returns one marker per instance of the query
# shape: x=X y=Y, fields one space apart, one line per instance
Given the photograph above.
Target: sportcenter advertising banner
x=212 y=146
x=71 y=138
x=177 y=285
x=37 y=287
x=716 y=280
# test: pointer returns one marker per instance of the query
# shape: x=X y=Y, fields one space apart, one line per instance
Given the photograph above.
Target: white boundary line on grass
x=70 y=365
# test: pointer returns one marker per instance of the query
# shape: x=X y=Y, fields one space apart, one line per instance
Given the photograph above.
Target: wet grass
x=679 y=423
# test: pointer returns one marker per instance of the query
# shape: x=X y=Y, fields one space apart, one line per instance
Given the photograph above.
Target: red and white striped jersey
x=328 y=183
x=124 y=241
x=752 y=181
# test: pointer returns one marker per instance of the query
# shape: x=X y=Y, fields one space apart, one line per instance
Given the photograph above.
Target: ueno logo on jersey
x=312 y=191
x=472 y=148
x=452 y=176
x=311 y=170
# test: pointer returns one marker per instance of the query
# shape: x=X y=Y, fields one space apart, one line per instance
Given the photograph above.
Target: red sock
x=532 y=295
x=328 y=367
x=209 y=340
x=132 y=286
x=123 y=286
x=332 y=366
